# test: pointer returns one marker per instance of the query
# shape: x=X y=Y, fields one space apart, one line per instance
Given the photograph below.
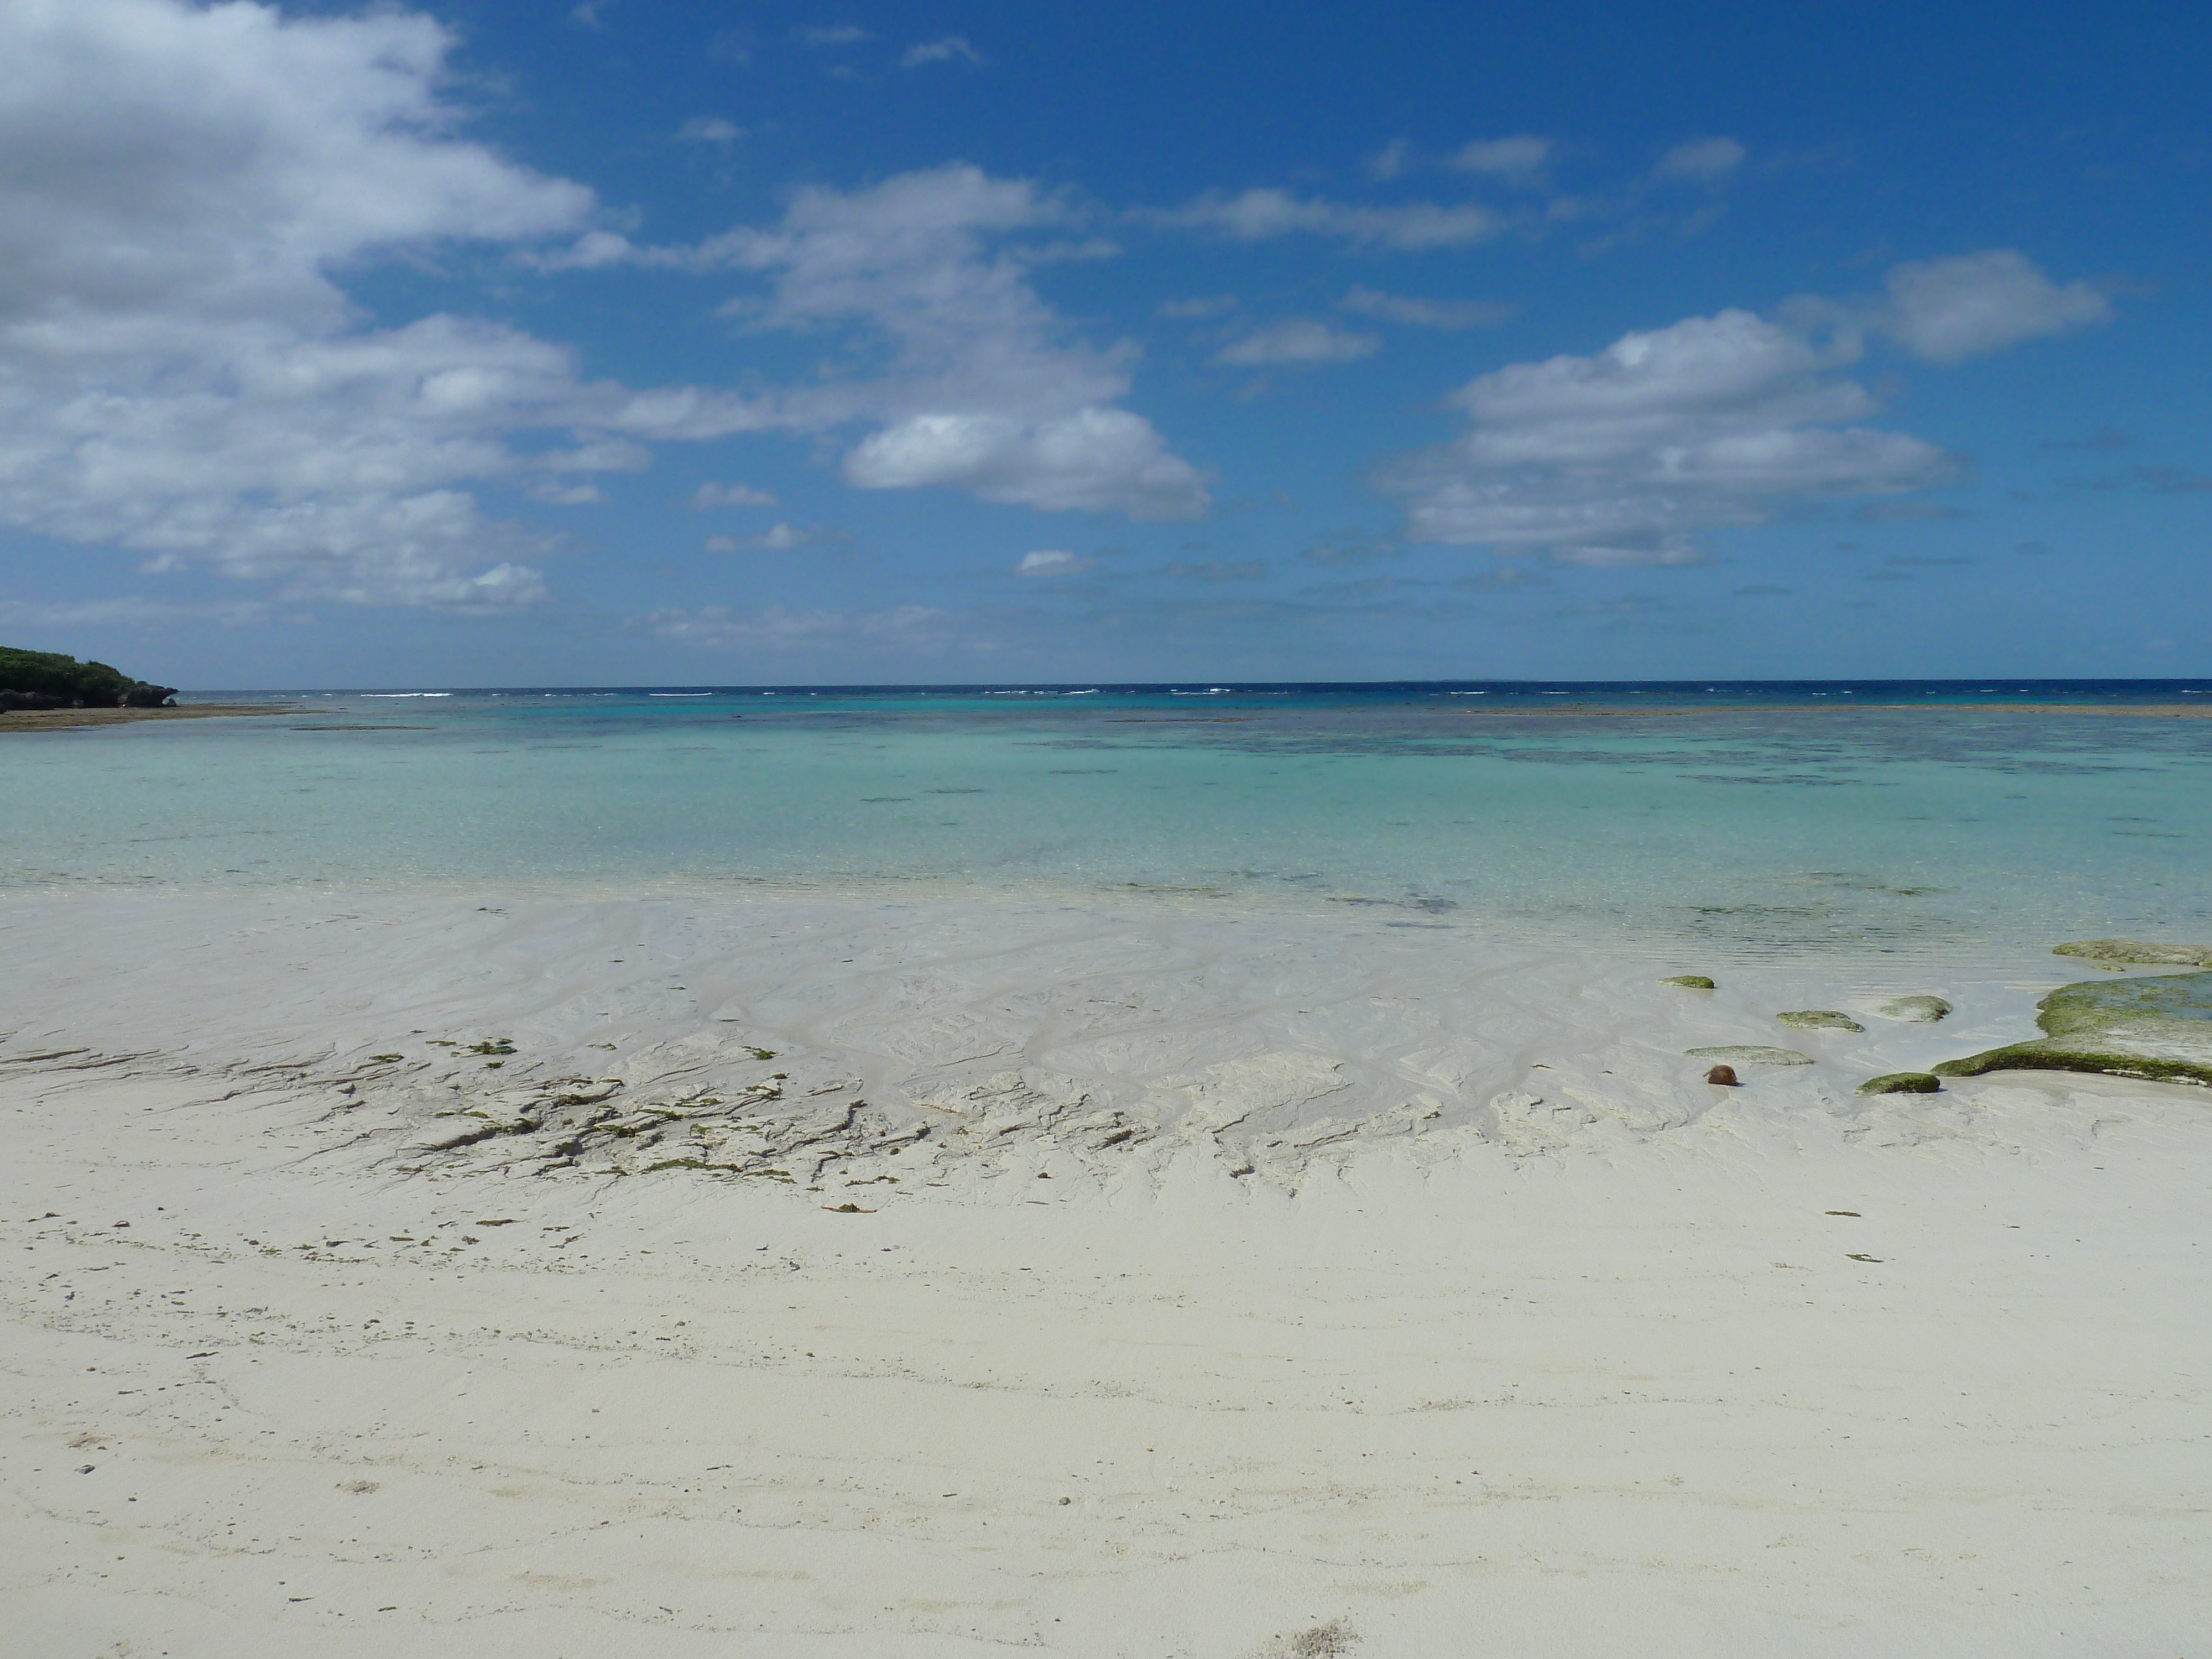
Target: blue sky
x=628 y=342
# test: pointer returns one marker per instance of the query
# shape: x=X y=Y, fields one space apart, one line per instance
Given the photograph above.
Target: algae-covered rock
x=1695 y=981
x=1751 y=1053
x=2158 y=1028
x=1819 y=1019
x=1924 y=1010
x=2135 y=950
x=1901 y=1083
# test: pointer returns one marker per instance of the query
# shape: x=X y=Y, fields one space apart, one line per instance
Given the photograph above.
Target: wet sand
x=1252 y=1287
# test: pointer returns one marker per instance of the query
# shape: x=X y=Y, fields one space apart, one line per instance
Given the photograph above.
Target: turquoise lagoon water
x=1745 y=819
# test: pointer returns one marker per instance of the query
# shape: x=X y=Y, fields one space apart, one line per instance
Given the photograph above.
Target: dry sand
x=1510 y=1338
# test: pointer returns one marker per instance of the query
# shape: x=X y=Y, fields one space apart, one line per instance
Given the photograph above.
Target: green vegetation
x=2158 y=1027
x=48 y=674
x=1899 y=1082
x=1819 y=1019
x=2107 y=951
x=1693 y=982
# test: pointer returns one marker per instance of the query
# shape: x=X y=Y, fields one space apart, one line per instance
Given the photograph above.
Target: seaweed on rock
x=2157 y=1028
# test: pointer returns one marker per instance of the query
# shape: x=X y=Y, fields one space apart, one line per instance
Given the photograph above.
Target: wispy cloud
x=776 y=626
x=776 y=539
x=731 y=495
x=1519 y=159
x=1297 y=342
x=710 y=130
x=947 y=49
x=1054 y=561
x=1424 y=313
x=1702 y=159
x=1263 y=214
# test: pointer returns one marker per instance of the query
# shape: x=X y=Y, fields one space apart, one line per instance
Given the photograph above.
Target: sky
x=630 y=342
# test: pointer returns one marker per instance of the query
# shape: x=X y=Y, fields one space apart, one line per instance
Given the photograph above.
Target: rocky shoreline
x=57 y=719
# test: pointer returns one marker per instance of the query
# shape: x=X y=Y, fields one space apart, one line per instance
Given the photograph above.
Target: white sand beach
x=1151 y=1284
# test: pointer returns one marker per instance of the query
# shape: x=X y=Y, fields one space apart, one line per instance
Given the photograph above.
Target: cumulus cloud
x=1263 y=214
x=180 y=374
x=1297 y=341
x=1619 y=459
x=1701 y=159
x=950 y=48
x=1054 y=561
x=1517 y=160
x=981 y=385
x=1949 y=309
x=1424 y=313
x=1946 y=310
x=729 y=495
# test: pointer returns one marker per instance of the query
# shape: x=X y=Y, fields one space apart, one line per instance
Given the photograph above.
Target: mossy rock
x=1902 y=1082
x=1751 y=1053
x=2157 y=1028
x=1819 y=1019
x=1695 y=981
x=1923 y=1011
x=2135 y=950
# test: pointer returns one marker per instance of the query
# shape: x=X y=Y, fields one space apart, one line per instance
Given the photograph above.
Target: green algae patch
x=1923 y=1011
x=2110 y=950
x=1751 y=1053
x=2156 y=1028
x=1819 y=1019
x=1900 y=1082
x=1694 y=981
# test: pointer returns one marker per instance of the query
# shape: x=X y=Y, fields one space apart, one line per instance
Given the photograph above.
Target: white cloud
x=835 y=34
x=1297 y=340
x=1702 y=159
x=180 y=375
x=982 y=387
x=1517 y=160
x=1262 y=215
x=776 y=539
x=949 y=49
x=1095 y=459
x=133 y=611
x=1946 y=310
x=1210 y=305
x=726 y=625
x=1052 y=561
x=1424 y=313
x=1390 y=162
x=731 y=495
x=1620 y=458
x=710 y=130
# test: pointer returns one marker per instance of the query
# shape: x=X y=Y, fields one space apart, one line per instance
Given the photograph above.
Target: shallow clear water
x=1743 y=818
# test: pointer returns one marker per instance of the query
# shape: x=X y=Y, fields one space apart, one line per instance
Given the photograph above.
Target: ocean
x=1933 y=819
